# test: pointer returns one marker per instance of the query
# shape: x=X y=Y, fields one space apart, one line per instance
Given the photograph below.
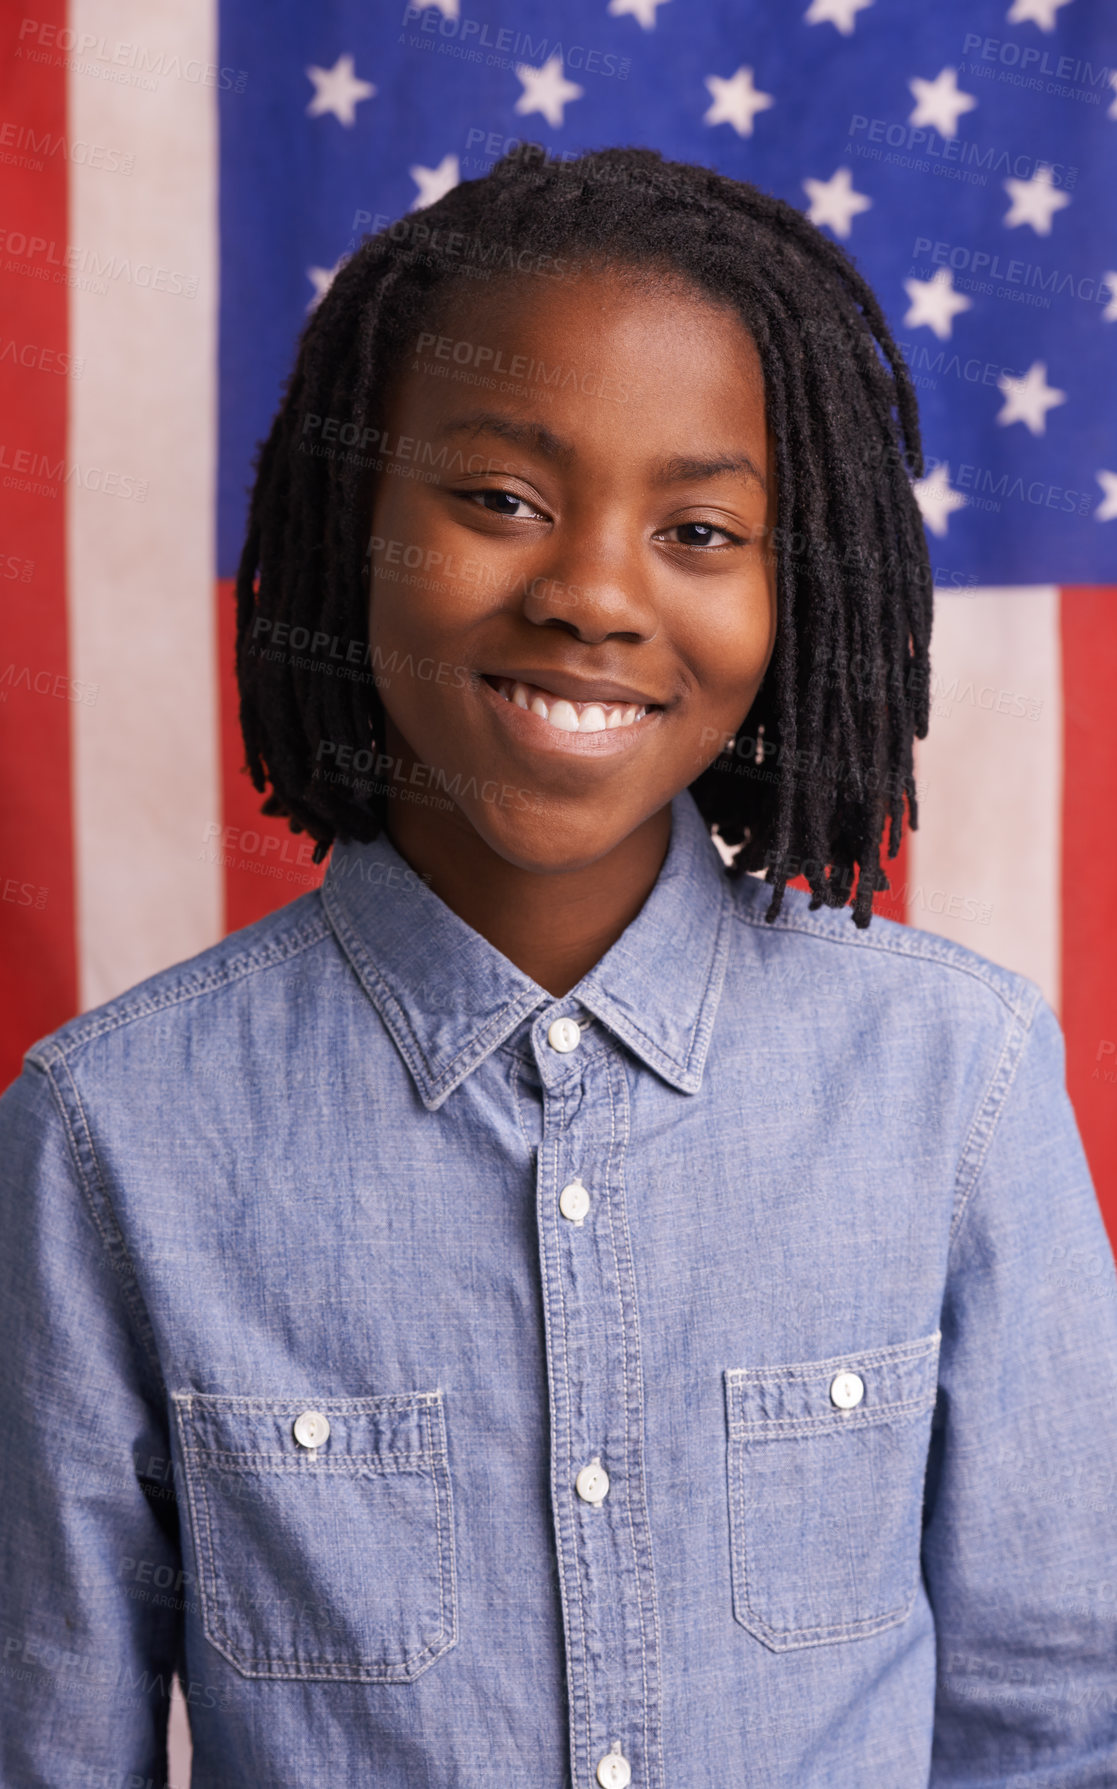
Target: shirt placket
x=598 y=1498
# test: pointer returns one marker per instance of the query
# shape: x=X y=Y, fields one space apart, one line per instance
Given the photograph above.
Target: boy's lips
x=600 y=719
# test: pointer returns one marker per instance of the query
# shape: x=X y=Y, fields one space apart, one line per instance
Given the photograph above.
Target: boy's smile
x=589 y=567
x=568 y=715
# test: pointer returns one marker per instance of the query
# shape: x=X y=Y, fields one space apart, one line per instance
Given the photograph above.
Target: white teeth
x=593 y=717
x=563 y=715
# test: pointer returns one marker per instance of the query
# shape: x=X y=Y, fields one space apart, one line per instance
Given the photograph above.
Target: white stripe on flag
x=140 y=496
x=986 y=860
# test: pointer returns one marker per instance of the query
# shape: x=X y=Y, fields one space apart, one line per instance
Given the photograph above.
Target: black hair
x=824 y=756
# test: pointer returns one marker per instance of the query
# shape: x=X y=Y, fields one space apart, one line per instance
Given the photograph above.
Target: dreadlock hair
x=827 y=755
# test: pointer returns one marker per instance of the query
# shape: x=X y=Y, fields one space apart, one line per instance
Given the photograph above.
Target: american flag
x=180 y=185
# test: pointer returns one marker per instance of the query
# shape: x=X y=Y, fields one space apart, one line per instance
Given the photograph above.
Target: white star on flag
x=834 y=202
x=322 y=278
x=1109 y=315
x=1034 y=201
x=935 y=303
x=546 y=90
x=448 y=8
x=835 y=12
x=1035 y=12
x=939 y=103
x=1028 y=400
x=936 y=500
x=736 y=101
x=338 y=90
x=1107 y=508
x=644 y=10
x=435 y=183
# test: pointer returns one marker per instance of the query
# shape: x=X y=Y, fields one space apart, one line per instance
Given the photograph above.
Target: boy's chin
x=551 y=840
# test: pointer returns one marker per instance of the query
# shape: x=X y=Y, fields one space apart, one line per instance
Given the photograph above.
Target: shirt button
x=564 y=1035
x=592 y=1486
x=614 y=1771
x=311 y=1429
x=846 y=1390
x=574 y=1201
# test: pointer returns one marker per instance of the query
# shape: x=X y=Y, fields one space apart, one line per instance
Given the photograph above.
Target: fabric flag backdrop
x=180 y=184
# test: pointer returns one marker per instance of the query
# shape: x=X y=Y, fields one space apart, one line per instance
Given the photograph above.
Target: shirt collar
x=449 y=998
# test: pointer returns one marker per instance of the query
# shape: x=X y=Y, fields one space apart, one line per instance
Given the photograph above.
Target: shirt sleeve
x=90 y=1622
x=1019 y=1553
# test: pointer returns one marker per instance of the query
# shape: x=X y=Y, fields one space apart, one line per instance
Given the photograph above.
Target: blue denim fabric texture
x=780 y=1451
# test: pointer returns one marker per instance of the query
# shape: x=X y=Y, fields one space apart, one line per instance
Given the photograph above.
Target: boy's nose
x=596 y=594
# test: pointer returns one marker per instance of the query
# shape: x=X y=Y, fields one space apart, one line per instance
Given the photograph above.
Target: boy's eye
x=497 y=502
x=501 y=503
x=702 y=534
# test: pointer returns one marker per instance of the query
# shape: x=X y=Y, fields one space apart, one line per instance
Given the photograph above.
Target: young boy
x=548 y=1307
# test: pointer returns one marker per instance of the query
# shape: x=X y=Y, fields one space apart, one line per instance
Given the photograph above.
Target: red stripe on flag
x=37 y=928
x=265 y=864
x=1089 y=1003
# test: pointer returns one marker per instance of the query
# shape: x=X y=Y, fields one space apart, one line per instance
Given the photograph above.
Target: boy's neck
x=554 y=927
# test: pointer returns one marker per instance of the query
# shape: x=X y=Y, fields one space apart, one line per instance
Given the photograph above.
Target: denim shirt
x=707 y=1378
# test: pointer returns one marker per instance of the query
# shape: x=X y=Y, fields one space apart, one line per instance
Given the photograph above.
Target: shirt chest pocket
x=826 y=1466
x=322 y=1533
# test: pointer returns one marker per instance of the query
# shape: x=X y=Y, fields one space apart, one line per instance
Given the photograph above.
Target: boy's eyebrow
x=682 y=469
x=677 y=470
x=525 y=434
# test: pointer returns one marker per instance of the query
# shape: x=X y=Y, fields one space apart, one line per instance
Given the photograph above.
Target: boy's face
x=597 y=531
